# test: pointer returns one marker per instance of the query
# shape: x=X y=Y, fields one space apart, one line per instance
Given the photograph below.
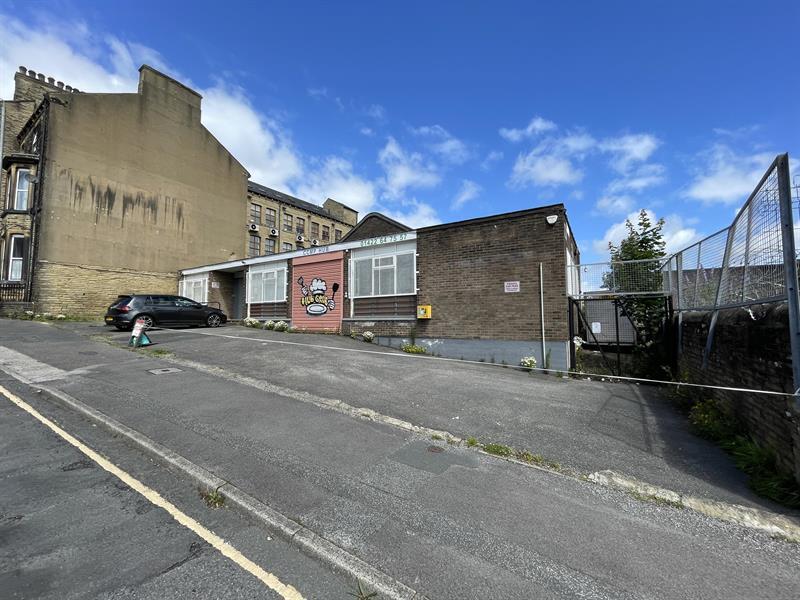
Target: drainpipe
x=541 y=312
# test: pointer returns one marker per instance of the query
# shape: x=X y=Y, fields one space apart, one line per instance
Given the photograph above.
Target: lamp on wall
x=551 y=219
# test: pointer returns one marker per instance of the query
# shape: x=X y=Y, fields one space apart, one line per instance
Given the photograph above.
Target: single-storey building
x=492 y=288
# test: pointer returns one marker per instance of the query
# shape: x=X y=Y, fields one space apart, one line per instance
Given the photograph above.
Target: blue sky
x=435 y=112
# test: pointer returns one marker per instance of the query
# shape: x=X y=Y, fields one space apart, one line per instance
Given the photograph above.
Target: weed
x=156 y=352
x=213 y=498
x=472 y=442
x=547 y=359
x=498 y=449
x=766 y=477
x=451 y=441
x=362 y=594
x=437 y=437
x=524 y=456
x=413 y=349
x=708 y=420
x=785 y=538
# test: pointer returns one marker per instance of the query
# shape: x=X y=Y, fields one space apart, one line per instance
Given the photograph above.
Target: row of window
x=388 y=275
x=292 y=224
x=14 y=257
x=19 y=192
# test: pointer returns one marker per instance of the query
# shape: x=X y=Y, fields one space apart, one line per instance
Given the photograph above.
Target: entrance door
x=318 y=291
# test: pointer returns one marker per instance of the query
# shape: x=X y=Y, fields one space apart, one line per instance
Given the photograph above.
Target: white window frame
x=12 y=260
x=189 y=285
x=280 y=292
x=17 y=190
x=374 y=258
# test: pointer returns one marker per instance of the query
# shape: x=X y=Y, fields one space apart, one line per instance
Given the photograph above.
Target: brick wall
x=380 y=328
x=223 y=293
x=83 y=290
x=463 y=267
x=750 y=350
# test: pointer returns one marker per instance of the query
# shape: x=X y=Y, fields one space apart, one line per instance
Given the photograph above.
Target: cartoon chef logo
x=315 y=296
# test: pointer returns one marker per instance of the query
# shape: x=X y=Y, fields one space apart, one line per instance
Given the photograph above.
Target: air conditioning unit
x=252 y=227
x=300 y=238
x=315 y=242
x=273 y=232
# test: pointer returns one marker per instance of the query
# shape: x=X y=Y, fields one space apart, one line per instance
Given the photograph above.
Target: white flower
x=29 y=313
x=528 y=362
x=61 y=317
x=368 y=336
x=578 y=341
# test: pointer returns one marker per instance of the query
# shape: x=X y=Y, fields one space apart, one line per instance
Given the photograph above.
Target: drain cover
x=165 y=370
x=435 y=449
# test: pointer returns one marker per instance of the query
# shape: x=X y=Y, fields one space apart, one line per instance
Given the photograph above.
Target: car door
x=163 y=309
x=189 y=311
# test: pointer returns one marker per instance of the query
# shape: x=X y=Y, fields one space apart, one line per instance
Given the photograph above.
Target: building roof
x=375 y=215
x=263 y=190
x=509 y=215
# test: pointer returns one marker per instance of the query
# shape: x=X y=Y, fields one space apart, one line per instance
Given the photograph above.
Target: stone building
x=281 y=223
x=110 y=193
x=492 y=288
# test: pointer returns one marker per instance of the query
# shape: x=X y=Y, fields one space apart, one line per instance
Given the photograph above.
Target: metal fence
x=744 y=263
x=632 y=277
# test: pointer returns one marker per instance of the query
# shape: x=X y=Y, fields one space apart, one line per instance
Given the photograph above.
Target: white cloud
x=544 y=170
x=376 y=111
x=490 y=159
x=614 y=205
x=335 y=179
x=536 y=126
x=415 y=214
x=677 y=234
x=639 y=179
x=405 y=170
x=727 y=177
x=367 y=131
x=449 y=148
x=469 y=191
x=630 y=149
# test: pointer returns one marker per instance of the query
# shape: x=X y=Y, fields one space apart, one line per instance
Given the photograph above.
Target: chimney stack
x=23 y=70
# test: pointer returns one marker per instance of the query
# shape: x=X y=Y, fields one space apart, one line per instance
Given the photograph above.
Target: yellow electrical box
x=424 y=311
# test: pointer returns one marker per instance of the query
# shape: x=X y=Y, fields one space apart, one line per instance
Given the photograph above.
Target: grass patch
x=498 y=449
x=436 y=437
x=156 y=352
x=213 y=498
x=414 y=349
x=472 y=442
x=656 y=500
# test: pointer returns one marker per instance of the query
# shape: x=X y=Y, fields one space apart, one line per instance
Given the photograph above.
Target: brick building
x=468 y=289
x=112 y=193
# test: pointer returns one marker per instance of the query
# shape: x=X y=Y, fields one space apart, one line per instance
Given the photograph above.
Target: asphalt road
x=69 y=529
x=452 y=523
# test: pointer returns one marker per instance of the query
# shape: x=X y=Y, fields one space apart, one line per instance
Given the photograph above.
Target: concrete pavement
x=450 y=523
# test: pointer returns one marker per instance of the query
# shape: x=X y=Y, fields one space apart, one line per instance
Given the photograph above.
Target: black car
x=161 y=309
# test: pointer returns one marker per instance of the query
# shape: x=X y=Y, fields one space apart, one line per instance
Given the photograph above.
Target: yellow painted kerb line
x=272 y=582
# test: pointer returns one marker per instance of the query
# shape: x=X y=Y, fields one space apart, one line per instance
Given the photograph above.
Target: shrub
x=269 y=324
x=709 y=421
x=281 y=326
x=413 y=349
x=251 y=322
x=368 y=336
x=529 y=362
x=498 y=449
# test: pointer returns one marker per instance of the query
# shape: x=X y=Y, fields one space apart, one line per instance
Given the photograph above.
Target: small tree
x=644 y=242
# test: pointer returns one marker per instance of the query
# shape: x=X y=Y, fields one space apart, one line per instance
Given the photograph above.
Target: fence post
x=790 y=267
x=723 y=278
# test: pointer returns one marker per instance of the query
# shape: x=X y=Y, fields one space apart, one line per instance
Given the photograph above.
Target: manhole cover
x=164 y=370
x=435 y=449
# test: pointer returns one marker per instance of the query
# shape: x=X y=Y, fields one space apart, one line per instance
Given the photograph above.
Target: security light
x=551 y=219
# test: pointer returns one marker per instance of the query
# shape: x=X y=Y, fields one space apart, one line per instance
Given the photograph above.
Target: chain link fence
x=631 y=277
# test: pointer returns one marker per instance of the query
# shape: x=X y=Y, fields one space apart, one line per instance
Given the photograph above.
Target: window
x=255 y=213
x=269 y=246
x=195 y=288
x=337 y=234
x=269 y=217
x=254 y=247
x=389 y=275
x=314 y=229
x=286 y=247
x=326 y=233
x=267 y=285
x=287 y=222
x=301 y=225
x=16 y=255
x=21 y=190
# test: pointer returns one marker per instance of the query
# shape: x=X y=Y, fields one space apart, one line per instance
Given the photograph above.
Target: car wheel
x=213 y=320
x=148 y=320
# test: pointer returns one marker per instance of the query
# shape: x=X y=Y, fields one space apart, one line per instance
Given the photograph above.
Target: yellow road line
x=285 y=591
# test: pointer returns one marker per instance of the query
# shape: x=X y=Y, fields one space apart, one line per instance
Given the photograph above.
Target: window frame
x=373 y=269
x=270 y=217
x=288 y=222
x=15 y=190
x=337 y=235
x=262 y=272
x=314 y=230
x=250 y=245
x=269 y=242
x=300 y=226
x=255 y=212
x=326 y=233
x=11 y=259
x=284 y=247
x=188 y=285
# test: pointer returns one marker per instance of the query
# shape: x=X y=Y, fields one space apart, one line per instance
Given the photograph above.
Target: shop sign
x=315 y=296
x=511 y=286
x=384 y=239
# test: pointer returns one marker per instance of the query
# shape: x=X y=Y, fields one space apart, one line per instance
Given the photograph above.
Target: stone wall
x=87 y=291
x=750 y=350
x=463 y=267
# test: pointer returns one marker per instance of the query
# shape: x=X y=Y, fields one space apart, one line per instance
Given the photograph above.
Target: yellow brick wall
x=87 y=291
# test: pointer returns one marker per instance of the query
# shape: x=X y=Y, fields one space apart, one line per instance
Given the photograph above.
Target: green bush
x=413 y=349
x=708 y=420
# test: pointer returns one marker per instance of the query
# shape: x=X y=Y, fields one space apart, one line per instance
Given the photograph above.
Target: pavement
x=586 y=425
x=69 y=529
x=445 y=521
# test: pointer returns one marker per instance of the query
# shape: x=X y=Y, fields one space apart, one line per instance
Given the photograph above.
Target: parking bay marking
x=271 y=581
